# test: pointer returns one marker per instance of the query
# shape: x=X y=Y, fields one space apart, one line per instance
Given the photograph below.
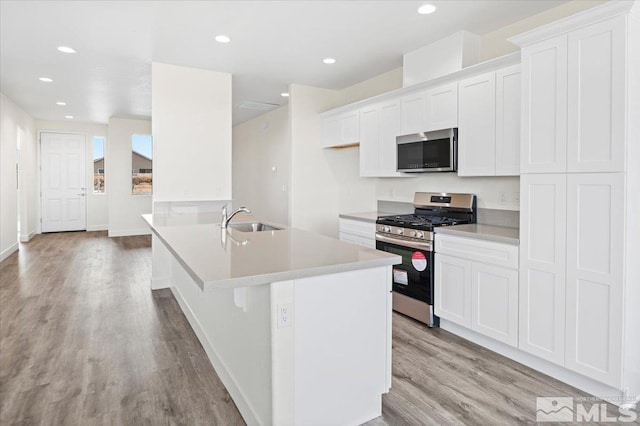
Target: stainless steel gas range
x=411 y=237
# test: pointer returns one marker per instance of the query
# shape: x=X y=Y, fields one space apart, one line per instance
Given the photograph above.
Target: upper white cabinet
x=489 y=124
x=414 y=113
x=573 y=117
x=369 y=141
x=544 y=107
x=477 y=126
x=341 y=130
x=379 y=126
x=597 y=97
x=508 y=121
x=442 y=107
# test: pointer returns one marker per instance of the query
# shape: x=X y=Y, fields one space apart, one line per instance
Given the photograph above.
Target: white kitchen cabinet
x=544 y=106
x=543 y=209
x=596 y=99
x=453 y=289
x=595 y=248
x=379 y=126
x=476 y=285
x=358 y=232
x=370 y=141
x=341 y=129
x=477 y=126
x=494 y=294
x=508 y=121
x=442 y=107
x=414 y=113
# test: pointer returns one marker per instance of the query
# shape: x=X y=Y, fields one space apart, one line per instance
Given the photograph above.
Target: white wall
x=324 y=182
x=14 y=122
x=124 y=208
x=259 y=145
x=191 y=111
x=495 y=44
x=97 y=206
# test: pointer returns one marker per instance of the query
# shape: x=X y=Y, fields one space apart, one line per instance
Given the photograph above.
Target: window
x=142 y=161
x=98 y=164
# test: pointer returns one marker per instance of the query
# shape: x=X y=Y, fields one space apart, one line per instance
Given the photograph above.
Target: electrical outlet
x=502 y=198
x=516 y=198
x=285 y=315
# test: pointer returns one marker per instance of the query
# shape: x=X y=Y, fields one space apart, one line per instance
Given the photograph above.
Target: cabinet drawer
x=357 y=239
x=357 y=227
x=478 y=250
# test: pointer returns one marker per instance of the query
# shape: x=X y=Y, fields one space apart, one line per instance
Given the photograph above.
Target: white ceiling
x=274 y=43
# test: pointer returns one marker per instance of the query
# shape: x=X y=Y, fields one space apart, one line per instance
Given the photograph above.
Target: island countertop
x=229 y=258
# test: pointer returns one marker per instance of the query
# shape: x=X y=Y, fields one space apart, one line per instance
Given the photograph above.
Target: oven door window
x=413 y=276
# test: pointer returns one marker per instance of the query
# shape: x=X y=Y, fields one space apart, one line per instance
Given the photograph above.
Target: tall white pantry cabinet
x=580 y=195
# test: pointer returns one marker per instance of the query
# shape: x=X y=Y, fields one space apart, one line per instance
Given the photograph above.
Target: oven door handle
x=420 y=245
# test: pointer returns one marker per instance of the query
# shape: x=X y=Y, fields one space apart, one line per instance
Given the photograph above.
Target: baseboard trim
x=600 y=390
x=8 y=251
x=129 y=232
x=160 y=283
x=229 y=382
x=26 y=238
x=93 y=228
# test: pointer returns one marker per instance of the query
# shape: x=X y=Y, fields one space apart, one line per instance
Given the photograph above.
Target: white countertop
x=365 y=216
x=229 y=258
x=500 y=234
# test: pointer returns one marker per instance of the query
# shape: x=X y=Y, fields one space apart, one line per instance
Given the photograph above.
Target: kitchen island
x=297 y=325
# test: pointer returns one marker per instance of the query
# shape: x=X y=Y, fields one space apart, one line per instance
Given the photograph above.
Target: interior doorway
x=63 y=182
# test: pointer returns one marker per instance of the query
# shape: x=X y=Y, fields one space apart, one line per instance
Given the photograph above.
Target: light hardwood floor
x=84 y=341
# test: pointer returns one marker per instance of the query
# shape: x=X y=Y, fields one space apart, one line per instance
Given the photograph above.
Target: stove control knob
x=419 y=234
x=414 y=234
x=386 y=229
x=400 y=231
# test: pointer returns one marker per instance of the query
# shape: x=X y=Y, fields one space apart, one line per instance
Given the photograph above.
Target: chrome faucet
x=226 y=219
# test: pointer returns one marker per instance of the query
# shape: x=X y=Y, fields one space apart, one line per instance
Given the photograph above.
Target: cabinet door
x=453 y=289
x=331 y=132
x=597 y=97
x=390 y=120
x=477 y=126
x=508 y=121
x=543 y=265
x=369 y=141
x=414 y=113
x=544 y=107
x=442 y=107
x=595 y=239
x=494 y=294
x=350 y=127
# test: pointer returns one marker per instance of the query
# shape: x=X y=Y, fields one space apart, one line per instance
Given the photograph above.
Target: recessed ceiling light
x=223 y=38
x=61 y=103
x=45 y=79
x=68 y=116
x=66 y=49
x=284 y=94
x=426 y=9
x=329 y=61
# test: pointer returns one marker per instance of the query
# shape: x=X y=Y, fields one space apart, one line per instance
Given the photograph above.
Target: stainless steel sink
x=252 y=227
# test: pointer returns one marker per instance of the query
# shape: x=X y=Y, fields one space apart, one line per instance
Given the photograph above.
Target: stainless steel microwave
x=435 y=151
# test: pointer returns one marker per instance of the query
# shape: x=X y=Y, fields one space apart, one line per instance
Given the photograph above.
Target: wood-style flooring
x=84 y=341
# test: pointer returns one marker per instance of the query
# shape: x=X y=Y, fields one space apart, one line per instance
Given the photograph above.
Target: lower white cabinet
x=358 y=232
x=478 y=295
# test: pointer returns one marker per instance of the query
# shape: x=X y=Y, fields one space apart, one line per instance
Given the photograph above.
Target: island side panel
x=161 y=260
x=282 y=353
x=342 y=346
x=234 y=328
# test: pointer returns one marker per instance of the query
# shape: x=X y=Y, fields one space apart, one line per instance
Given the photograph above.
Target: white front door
x=63 y=182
